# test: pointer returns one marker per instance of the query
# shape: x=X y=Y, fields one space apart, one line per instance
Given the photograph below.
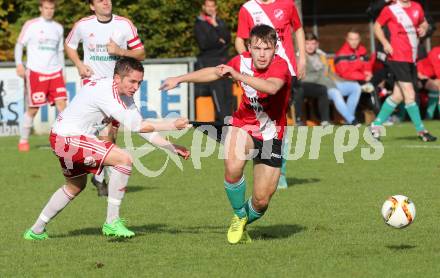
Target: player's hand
x=421 y=31
x=301 y=69
x=422 y=76
x=20 y=70
x=181 y=123
x=85 y=71
x=388 y=48
x=169 y=83
x=113 y=48
x=368 y=76
x=182 y=151
x=227 y=71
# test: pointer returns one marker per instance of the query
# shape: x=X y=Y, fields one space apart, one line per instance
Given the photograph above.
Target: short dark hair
x=354 y=30
x=265 y=33
x=48 y=1
x=311 y=37
x=126 y=65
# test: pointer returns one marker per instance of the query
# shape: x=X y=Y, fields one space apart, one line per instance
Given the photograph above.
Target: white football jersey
x=43 y=40
x=95 y=36
x=97 y=104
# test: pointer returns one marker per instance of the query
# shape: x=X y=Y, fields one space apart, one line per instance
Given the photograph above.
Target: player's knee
x=232 y=174
x=260 y=203
x=126 y=160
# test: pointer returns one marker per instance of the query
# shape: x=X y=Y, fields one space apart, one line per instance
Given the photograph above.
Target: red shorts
x=80 y=155
x=44 y=88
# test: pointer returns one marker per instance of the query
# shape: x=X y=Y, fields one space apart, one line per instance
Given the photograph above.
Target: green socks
x=386 y=110
x=414 y=114
x=236 y=195
x=252 y=214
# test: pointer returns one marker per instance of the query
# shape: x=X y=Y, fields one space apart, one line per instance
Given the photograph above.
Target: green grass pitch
x=326 y=224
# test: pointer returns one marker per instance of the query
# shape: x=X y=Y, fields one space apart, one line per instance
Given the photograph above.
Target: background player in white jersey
x=105 y=37
x=44 y=82
x=80 y=152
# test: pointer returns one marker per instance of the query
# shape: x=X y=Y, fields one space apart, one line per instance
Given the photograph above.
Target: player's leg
x=412 y=108
x=121 y=164
x=60 y=105
x=26 y=128
x=109 y=134
x=59 y=200
x=433 y=97
x=237 y=146
x=265 y=181
x=36 y=96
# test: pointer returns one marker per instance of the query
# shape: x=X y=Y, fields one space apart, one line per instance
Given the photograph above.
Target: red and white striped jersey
x=281 y=15
x=43 y=40
x=95 y=36
x=97 y=104
x=261 y=114
x=403 y=23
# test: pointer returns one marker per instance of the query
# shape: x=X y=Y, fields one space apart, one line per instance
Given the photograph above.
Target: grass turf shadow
x=401 y=247
x=275 y=232
x=297 y=181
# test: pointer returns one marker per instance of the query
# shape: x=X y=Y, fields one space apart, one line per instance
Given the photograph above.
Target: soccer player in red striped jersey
x=44 y=81
x=429 y=75
x=80 y=152
x=105 y=37
x=406 y=22
x=257 y=126
x=281 y=15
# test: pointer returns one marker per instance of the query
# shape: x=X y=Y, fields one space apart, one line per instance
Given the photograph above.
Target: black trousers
x=301 y=90
x=220 y=91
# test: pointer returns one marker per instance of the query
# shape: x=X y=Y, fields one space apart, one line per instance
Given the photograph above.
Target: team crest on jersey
x=89 y=161
x=279 y=14
x=416 y=14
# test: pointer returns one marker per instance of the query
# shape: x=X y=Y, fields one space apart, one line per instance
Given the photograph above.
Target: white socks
x=59 y=200
x=116 y=190
x=26 y=127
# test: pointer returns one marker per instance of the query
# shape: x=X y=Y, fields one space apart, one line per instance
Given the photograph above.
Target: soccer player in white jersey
x=43 y=74
x=105 y=37
x=257 y=126
x=80 y=152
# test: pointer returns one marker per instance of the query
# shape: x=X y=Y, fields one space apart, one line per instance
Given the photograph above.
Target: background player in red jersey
x=406 y=22
x=429 y=75
x=257 y=126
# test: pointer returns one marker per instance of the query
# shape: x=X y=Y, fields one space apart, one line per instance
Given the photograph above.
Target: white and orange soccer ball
x=398 y=211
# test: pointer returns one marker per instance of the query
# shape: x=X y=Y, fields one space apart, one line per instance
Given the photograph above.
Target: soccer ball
x=398 y=211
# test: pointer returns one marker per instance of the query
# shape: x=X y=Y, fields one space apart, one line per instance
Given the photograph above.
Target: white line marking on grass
x=421 y=146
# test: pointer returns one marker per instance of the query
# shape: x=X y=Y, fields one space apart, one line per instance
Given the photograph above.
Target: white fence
x=152 y=103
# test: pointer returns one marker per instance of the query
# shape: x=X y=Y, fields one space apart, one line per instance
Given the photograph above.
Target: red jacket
x=352 y=64
x=430 y=66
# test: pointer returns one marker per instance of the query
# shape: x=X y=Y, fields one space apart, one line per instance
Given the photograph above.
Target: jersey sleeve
x=133 y=40
x=74 y=37
x=384 y=16
x=434 y=58
x=235 y=63
x=25 y=33
x=295 y=20
x=279 y=69
x=245 y=23
x=422 y=15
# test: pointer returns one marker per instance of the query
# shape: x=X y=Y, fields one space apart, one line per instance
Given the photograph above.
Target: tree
x=165 y=26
